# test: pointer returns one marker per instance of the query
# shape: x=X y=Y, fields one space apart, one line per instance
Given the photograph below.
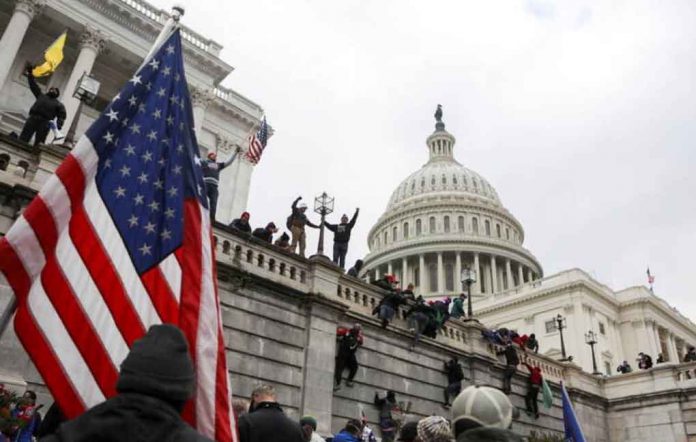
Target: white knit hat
x=434 y=429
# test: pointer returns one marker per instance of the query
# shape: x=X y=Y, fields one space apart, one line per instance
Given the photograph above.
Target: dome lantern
x=441 y=142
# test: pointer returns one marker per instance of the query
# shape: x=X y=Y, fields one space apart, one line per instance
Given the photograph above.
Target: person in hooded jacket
x=350 y=433
x=341 y=237
x=157 y=378
x=455 y=376
x=349 y=340
x=512 y=360
x=265 y=233
x=418 y=317
x=457 y=310
x=355 y=270
x=211 y=177
x=42 y=112
x=266 y=421
x=283 y=242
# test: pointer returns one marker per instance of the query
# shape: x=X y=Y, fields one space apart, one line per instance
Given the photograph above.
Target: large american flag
x=120 y=239
x=257 y=143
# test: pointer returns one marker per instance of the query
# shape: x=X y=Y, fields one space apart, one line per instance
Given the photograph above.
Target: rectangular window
x=460 y=223
x=601 y=329
x=550 y=326
x=447 y=225
x=432 y=224
x=405 y=230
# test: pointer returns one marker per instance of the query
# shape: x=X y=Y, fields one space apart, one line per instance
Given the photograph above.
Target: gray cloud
x=583 y=121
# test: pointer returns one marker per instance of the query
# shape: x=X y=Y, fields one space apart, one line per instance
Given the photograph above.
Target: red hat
x=211 y=154
x=246 y=215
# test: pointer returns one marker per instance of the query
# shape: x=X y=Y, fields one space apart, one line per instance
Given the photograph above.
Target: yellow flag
x=53 y=57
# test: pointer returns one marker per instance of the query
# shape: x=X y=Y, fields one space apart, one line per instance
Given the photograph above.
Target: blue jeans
x=339 y=254
x=386 y=312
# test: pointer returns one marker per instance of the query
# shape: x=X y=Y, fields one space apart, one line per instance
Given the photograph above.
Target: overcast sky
x=582 y=114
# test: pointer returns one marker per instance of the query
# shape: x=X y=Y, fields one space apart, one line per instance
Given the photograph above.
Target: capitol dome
x=442 y=218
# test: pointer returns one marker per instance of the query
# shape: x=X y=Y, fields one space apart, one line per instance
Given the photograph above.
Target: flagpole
x=170 y=26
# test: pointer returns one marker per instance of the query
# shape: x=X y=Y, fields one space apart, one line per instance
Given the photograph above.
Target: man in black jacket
x=241 y=224
x=455 y=375
x=511 y=363
x=265 y=233
x=156 y=380
x=266 y=421
x=211 y=177
x=45 y=108
x=341 y=238
x=296 y=223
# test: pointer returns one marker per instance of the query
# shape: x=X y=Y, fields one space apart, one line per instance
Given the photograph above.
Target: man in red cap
x=211 y=176
x=241 y=224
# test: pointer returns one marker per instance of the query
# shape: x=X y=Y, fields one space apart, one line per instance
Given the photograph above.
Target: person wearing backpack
x=296 y=222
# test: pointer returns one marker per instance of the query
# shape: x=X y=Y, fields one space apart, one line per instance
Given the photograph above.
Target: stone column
x=530 y=275
x=376 y=273
x=404 y=273
x=457 y=285
x=508 y=274
x=520 y=274
x=440 y=274
x=421 y=273
x=200 y=100
x=672 y=353
x=24 y=13
x=92 y=42
x=476 y=288
x=494 y=275
x=390 y=269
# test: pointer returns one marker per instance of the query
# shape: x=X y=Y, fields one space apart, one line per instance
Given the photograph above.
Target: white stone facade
x=109 y=39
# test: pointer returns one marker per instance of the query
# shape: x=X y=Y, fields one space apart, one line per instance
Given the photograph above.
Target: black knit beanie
x=159 y=365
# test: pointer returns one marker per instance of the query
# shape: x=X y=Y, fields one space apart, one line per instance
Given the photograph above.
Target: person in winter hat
x=355 y=270
x=309 y=427
x=266 y=421
x=483 y=414
x=45 y=109
x=241 y=224
x=296 y=223
x=157 y=378
x=434 y=429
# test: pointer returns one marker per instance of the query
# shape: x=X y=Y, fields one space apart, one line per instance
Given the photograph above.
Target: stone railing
x=238 y=100
x=660 y=378
x=161 y=16
x=263 y=260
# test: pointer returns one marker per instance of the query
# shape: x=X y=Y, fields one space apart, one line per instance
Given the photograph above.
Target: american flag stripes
x=120 y=239
x=257 y=143
x=651 y=278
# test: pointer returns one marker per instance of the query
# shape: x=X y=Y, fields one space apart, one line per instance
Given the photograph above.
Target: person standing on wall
x=211 y=176
x=296 y=223
x=341 y=237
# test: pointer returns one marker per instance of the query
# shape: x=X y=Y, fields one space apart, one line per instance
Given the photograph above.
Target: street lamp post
x=323 y=205
x=591 y=340
x=469 y=277
x=85 y=91
x=560 y=325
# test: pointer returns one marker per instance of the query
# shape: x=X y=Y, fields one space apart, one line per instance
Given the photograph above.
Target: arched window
x=507 y=233
x=454 y=180
x=394 y=232
x=432 y=224
x=465 y=181
x=413 y=186
x=418 y=227
x=385 y=238
x=497 y=230
x=474 y=225
x=488 y=227
x=422 y=182
x=4 y=161
x=460 y=223
x=376 y=245
x=406 y=230
x=446 y=224
x=449 y=278
x=432 y=181
x=444 y=181
x=432 y=277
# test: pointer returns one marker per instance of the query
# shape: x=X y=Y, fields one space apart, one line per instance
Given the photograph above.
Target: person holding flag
x=45 y=109
x=120 y=240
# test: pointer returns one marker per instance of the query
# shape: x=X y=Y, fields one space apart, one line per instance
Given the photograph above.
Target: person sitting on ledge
x=644 y=361
x=624 y=368
x=241 y=224
x=265 y=233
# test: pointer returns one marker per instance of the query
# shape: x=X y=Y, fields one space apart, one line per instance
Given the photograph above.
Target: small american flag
x=651 y=278
x=257 y=143
x=119 y=239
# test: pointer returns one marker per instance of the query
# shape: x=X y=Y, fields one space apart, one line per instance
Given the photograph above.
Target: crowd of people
x=296 y=223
